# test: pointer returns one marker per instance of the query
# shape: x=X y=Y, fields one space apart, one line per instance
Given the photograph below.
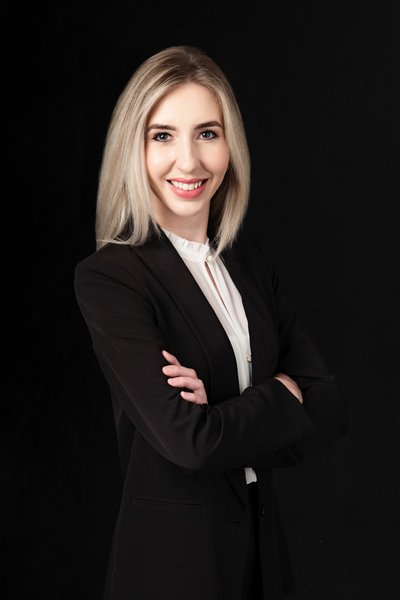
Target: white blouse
x=216 y=284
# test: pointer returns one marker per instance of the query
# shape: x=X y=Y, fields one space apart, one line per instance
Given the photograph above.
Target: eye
x=163 y=136
x=208 y=134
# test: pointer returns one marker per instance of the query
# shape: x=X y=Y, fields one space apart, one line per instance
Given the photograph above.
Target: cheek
x=218 y=159
x=156 y=161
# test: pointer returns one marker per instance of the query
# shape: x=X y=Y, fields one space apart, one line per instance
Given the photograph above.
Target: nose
x=187 y=158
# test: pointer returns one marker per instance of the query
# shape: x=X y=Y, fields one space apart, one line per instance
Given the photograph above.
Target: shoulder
x=113 y=263
x=251 y=253
x=109 y=257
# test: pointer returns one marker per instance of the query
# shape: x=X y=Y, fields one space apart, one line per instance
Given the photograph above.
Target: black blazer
x=181 y=528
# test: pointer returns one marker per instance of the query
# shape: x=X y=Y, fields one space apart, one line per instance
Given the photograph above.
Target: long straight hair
x=124 y=210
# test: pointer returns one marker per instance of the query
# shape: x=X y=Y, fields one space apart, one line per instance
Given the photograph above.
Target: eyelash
x=214 y=135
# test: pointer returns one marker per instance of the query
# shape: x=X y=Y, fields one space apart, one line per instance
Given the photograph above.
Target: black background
x=318 y=84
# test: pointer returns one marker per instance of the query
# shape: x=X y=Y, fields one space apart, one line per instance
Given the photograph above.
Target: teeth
x=186 y=186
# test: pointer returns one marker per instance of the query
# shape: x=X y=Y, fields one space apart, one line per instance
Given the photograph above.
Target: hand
x=290 y=384
x=184 y=377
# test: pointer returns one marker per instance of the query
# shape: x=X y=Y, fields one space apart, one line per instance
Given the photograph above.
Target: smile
x=191 y=188
x=187 y=186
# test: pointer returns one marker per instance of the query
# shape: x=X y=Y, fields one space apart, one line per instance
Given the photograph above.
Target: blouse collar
x=194 y=251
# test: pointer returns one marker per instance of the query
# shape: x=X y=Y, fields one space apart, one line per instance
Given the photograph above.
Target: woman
x=214 y=382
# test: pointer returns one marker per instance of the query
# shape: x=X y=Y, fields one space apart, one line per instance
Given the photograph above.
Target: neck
x=193 y=231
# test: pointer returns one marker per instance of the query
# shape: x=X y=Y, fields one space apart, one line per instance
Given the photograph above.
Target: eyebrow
x=172 y=128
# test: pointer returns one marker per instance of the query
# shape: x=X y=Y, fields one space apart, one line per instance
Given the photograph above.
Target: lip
x=186 y=180
x=188 y=193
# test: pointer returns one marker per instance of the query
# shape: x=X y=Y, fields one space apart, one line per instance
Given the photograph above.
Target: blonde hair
x=124 y=210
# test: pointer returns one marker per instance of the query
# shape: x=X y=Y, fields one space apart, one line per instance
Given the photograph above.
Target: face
x=187 y=157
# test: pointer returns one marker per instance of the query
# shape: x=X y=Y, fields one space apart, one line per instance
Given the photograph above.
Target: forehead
x=187 y=102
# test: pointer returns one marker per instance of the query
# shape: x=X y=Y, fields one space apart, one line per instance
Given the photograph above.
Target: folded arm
x=200 y=438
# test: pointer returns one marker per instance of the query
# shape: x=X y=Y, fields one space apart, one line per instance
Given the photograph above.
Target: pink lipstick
x=187 y=188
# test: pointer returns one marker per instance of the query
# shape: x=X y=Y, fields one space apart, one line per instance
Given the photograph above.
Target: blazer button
x=262 y=510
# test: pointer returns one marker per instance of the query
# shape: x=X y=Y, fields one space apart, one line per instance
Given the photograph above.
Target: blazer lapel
x=168 y=268
x=163 y=260
x=264 y=341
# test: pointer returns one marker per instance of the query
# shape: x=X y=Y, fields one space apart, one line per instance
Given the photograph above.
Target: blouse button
x=248 y=357
x=209 y=258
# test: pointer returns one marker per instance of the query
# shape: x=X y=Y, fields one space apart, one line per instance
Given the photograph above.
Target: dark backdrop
x=318 y=84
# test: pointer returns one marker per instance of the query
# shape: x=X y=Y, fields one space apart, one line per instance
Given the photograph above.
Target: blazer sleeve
x=323 y=400
x=204 y=439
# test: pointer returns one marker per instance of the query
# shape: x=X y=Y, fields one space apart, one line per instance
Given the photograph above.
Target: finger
x=175 y=371
x=194 y=398
x=185 y=382
x=190 y=397
x=171 y=358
